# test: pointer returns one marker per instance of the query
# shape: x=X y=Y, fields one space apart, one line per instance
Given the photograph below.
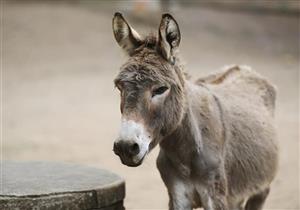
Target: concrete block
x=58 y=186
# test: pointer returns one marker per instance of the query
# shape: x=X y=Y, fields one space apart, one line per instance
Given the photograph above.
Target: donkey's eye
x=159 y=91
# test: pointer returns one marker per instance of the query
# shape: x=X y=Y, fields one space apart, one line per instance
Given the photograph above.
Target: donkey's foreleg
x=213 y=192
x=178 y=197
x=178 y=190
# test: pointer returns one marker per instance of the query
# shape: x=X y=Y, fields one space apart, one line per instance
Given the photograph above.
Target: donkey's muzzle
x=126 y=149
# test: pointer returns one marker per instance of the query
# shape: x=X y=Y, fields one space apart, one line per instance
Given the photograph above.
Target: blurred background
x=59 y=59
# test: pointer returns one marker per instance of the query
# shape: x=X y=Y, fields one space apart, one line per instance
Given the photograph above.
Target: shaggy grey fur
x=217 y=140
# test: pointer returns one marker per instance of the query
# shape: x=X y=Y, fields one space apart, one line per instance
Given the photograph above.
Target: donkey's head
x=151 y=86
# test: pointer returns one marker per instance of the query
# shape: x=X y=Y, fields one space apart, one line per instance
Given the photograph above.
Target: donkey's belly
x=251 y=153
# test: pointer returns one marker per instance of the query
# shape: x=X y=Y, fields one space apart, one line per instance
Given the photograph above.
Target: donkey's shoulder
x=244 y=80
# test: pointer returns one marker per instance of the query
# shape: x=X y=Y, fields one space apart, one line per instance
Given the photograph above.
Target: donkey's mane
x=150 y=41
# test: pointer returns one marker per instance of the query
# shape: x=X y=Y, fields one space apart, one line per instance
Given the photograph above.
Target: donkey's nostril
x=134 y=149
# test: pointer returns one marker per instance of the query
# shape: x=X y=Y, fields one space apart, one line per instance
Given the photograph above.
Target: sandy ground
x=59 y=102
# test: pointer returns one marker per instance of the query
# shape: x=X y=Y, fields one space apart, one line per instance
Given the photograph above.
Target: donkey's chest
x=194 y=165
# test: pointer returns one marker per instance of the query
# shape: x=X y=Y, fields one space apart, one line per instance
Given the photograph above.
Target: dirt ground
x=59 y=101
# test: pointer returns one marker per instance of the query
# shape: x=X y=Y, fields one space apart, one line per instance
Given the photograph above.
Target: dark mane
x=149 y=42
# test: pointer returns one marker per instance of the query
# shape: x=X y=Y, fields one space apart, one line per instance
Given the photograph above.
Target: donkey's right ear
x=125 y=35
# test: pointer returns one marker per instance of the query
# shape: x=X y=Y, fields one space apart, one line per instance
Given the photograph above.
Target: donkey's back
x=243 y=84
x=248 y=103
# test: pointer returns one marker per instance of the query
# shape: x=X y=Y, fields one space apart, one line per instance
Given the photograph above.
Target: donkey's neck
x=187 y=133
x=189 y=138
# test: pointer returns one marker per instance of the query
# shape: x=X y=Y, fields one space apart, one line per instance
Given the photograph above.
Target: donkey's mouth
x=131 y=163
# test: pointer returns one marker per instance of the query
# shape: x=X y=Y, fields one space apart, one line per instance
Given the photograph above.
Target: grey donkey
x=217 y=140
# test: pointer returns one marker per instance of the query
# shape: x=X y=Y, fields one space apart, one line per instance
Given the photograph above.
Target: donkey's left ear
x=169 y=36
x=125 y=35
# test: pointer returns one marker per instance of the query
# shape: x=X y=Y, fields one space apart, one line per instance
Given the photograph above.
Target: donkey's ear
x=169 y=36
x=126 y=36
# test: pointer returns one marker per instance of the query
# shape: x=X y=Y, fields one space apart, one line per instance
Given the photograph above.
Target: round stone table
x=57 y=186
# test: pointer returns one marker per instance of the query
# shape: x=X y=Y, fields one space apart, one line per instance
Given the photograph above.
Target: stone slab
x=48 y=185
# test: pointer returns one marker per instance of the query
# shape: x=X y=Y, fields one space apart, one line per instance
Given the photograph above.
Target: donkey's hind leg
x=257 y=201
x=236 y=205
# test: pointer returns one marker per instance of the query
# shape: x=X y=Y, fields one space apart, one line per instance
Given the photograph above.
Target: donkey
x=218 y=147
